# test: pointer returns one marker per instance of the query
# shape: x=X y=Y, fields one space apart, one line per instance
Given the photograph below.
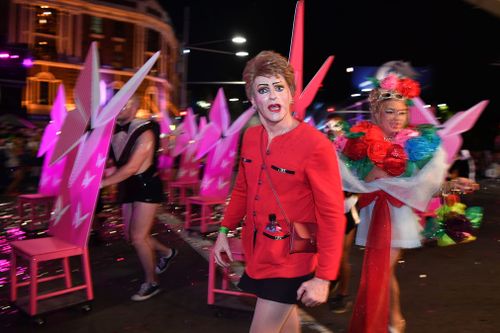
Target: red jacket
x=303 y=168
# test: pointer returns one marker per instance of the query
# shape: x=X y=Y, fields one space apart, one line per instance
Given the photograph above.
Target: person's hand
x=462 y=185
x=375 y=173
x=103 y=183
x=222 y=245
x=313 y=292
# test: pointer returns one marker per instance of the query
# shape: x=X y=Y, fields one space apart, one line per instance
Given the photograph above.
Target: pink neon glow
x=103 y=93
x=4 y=55
x=27 y=62
x=15 y=56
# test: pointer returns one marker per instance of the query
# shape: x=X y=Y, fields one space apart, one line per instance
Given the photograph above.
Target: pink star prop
x=218 y=136
x=303 y=98
x=450 y=131
x=47 y=145
x=79 y=190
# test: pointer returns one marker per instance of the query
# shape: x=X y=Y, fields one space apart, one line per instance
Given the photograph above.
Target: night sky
x=458 y=42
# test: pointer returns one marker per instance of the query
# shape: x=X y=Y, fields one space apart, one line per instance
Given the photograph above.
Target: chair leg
x=67 y=272
x=182 y=195
x=13 y=276
x=87 y=276
x=20 y=209
x=211 y=279
x=187 y=221
x=33 y=286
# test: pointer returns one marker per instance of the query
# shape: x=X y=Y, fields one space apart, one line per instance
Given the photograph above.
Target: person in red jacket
x=288 y=172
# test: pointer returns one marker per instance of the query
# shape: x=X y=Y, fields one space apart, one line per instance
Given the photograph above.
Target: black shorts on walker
x=282 y=290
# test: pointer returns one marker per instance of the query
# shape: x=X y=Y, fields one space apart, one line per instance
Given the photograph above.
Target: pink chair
x=39 y=207
x=181 y=186
x=237 y=251
x=60 y=246
x=206 y=206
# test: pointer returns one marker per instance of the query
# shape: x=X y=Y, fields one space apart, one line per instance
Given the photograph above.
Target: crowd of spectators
x=19 y=165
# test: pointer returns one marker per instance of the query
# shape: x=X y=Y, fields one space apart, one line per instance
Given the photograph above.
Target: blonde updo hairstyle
x=267 y=63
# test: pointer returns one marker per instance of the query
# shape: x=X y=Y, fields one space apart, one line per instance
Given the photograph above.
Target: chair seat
x=35 y=196
x=206 y=200
x=50 y=247
x=184 y=182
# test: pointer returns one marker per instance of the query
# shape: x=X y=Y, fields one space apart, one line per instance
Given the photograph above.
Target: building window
x=119 y=29
x=43 y=96
x=153 y=41
x=96 y=25
x=41 y=91
x=151 y=100
x=45 y=48
x=45 y=34
x=46 y=20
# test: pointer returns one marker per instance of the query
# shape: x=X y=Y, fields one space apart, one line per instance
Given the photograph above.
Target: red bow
x=371 y=312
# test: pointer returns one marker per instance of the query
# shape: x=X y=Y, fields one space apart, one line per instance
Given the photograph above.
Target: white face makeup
x=272 y=98
x=392 y=116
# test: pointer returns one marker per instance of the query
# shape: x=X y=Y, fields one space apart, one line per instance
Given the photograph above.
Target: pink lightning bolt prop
x=51 y=175
x=220 y=142
x=450 y=131
x=188 y=138
x=75 y=205
x=303 y=98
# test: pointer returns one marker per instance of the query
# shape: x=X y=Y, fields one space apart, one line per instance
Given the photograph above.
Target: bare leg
x=127 y=219
x=292 y=323
x=160 y=247
x=272 y=317
x=396 y=317
x=345 y=265
x=140 y=236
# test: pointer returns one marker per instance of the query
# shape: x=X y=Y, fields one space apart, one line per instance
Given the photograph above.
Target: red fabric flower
x=355 y=149
x=408 y=87
x=452 y=199
x=374 y=134
x=377 y=151
x=395 y=161
x=362 y=126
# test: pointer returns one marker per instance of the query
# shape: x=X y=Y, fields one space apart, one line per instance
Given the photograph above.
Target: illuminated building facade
x=58 y=34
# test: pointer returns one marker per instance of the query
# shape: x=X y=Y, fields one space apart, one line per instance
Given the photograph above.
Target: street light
x=236 y=40
x=187 y=47
x=196 y=47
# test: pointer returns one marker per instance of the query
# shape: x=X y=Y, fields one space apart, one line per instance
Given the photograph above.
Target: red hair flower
x=408 y=88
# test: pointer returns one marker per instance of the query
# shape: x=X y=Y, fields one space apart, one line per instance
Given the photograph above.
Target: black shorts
x=144 y=187
x=282 y=290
